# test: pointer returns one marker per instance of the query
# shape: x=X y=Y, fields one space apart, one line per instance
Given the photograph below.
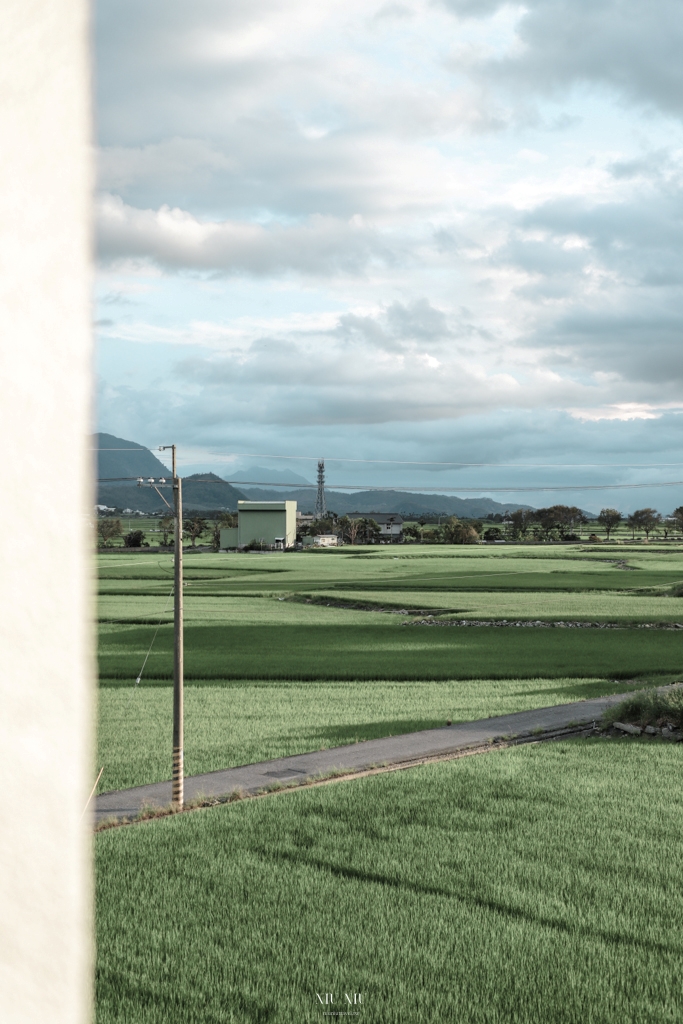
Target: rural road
x=390 y=750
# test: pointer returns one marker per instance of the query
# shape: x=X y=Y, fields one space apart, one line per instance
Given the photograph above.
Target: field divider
x=358 y=759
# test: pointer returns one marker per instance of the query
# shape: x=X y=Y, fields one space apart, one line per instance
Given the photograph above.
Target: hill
x=268 y=476
x=201 y=492
x=405 y=503
x=117 y=458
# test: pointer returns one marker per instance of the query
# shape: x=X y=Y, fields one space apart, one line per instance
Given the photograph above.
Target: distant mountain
x=116 y=458
x=269 y=476
x=407 y=503
x=201 y=493
x=208 y=491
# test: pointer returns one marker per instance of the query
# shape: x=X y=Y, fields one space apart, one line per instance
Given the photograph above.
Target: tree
x=633 y=523
x=677 y=515
x=414 y=531
x=649 y=520
x=166 y=526
x=455 y=532
x=194 y=528
x=369 y=531
x=493 y=533
x=609 y=518
x=108 y=530
x=134 y=539
x=225 y=521
x=520 y=522
x=451 y=530
x=352 y=528
x=560 y=519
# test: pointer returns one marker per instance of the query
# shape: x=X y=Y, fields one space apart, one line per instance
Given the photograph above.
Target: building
x=304 y=519
x=321 y=540
x=270 y=524
x=390 y=524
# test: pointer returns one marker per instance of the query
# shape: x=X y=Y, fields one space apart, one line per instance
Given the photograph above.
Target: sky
x=400 y=233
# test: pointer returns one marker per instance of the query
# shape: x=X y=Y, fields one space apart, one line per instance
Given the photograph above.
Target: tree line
x=558 y=522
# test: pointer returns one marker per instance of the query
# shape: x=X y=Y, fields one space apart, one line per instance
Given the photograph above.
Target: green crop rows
x=538 y=885
x=292 y=652
x=535 y=885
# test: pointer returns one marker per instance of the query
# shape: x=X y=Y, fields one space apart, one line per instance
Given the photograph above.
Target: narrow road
x=390 y=750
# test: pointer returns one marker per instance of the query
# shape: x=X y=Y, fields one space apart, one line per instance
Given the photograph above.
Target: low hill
x=268 y=476
x=201 y=492
x=406 y=503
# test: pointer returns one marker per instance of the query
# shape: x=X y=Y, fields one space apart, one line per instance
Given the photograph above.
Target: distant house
x=321 y=540
x=326 y=540
x=390 y=523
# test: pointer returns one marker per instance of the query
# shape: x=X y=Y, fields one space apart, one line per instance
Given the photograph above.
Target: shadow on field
x=490 y=904
x=579 y=689
x=339 y=735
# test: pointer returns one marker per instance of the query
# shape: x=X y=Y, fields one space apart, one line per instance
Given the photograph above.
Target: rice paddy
x=298 y=651
x=536 y=885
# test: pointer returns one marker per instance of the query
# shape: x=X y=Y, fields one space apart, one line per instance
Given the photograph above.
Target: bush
x=254 y=545
x=493 y=534
x=134 y=539
x=650 y=707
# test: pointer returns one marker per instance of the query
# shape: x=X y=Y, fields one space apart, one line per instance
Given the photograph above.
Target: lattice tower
x=320 y=507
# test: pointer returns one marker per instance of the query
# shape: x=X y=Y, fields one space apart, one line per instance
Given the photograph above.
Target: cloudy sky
x=444 y=231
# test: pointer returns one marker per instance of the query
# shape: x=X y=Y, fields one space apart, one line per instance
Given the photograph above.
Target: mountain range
x=117 y=458
x=406 y=503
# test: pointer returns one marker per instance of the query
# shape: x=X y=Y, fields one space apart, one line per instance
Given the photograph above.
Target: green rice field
x=241 y=722
x=534 y=885
x=288 y=652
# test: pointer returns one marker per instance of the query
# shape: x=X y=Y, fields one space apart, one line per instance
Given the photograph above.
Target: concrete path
x=390 y=750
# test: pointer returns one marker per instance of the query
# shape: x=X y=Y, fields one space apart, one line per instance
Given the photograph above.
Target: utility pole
x=178 y=785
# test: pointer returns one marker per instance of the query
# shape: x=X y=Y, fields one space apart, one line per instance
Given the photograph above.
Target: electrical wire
x=425 y=488
x=415 y=462
x=159 y=624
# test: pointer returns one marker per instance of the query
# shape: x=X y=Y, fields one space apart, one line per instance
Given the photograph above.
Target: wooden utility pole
x=178 y=784
x=178 y=792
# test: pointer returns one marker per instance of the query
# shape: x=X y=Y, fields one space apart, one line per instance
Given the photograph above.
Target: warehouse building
x=270 y=524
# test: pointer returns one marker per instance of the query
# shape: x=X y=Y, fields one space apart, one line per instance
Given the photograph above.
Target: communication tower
x=320 y=508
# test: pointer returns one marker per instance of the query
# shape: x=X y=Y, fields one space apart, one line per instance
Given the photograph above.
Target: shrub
x=493 y=534
x=650 y=707
x=134 y=539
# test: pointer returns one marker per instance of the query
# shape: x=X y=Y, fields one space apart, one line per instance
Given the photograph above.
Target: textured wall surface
x=45 y=589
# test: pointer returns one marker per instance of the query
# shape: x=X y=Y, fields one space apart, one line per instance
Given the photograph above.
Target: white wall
x=46 y=769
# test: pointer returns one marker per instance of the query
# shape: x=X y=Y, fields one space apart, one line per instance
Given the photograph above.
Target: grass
x=241 y=723
x=394 y=568
x=649 y=707
x=539 y=885
x=301 y=652
x=549 y=606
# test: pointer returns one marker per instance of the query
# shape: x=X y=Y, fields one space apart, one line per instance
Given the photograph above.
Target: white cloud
x=357 y=214
x=175 y=239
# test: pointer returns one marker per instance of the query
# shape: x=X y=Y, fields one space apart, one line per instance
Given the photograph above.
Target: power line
x=415 y=462
x=471 y=465
x=424 y=488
